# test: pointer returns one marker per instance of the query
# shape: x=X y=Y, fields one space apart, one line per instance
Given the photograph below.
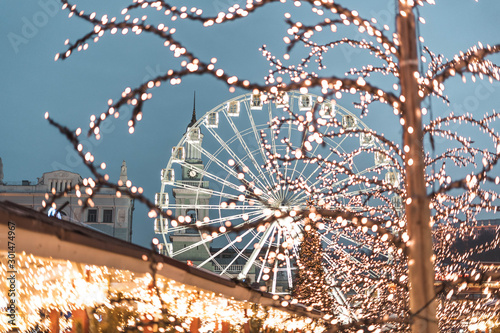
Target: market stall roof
x=40 y=235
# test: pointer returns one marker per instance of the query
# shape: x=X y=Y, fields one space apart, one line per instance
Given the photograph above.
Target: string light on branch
x=357 y=220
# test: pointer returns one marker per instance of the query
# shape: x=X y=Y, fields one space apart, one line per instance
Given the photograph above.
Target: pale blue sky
x=32 y=32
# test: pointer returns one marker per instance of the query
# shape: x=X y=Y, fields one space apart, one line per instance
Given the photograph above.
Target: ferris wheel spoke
x=191 y=185
x=330 y=261
x=256 y=251
x=301 y=173
x=211 y=175
x=272 y=134
x=257 y=139
x=256 y=215
x=294 y=170
x=220 y=180
x=336 y=148
x=252 y=217
x=264 y=260
x=240 y=253
x=302 y=196
x=318 y=166
x=243 y=144
x=206 y=191
x=192 y=246
x=217 y=221
x=229 y=170
x=233 y=155
x=222 y=250
x=313 y=153
x=275 y=277
x=254 y=128
x=221 y=164
x=290 y=123
x=339 y=144
x=288 y=109
x=295 y=250
x=289 y=270
x=181 y=228
x=275 y=269
x=285 y=173
x=212 y=207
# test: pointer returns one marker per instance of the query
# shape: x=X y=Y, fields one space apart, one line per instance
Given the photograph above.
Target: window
x=92 y=215
x=107 y=216
x=194 y=135
x=192 y=214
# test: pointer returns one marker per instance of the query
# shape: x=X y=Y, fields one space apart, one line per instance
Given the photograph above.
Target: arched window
x=192 y=213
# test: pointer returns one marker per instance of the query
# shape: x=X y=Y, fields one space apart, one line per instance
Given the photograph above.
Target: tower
x=193 y=196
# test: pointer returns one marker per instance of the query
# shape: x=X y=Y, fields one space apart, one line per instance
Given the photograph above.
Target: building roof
x=50 y=237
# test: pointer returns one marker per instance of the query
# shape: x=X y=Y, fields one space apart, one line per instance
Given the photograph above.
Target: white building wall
x=32 y=195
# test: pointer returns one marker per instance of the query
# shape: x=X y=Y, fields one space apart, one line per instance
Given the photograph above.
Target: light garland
x=46 y=284
x=376 y=222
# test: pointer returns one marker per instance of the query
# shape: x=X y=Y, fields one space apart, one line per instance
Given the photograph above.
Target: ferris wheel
x=233 y=144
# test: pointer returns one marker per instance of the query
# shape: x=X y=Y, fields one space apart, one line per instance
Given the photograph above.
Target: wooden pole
x=420 y=264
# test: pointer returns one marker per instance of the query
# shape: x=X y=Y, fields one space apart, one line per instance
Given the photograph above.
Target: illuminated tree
x=386 y=260
x=310 y=286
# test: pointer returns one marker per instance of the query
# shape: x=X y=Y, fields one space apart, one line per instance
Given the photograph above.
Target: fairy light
x=67 y=286
x=455 y=201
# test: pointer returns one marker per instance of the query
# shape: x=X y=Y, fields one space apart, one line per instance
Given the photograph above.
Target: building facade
x=110 y=214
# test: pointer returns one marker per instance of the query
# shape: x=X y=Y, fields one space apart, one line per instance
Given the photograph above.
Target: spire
x=193 y=118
